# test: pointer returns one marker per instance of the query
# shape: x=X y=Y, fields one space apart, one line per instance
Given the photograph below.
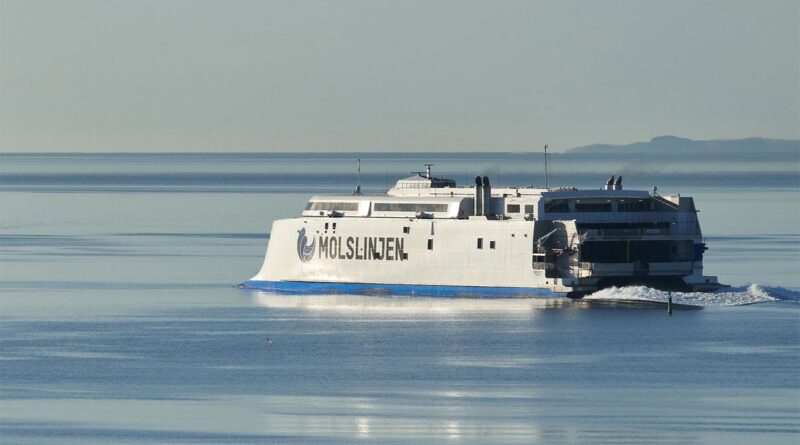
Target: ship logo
x=304 y=250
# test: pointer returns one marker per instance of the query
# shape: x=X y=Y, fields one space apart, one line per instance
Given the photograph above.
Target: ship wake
x=736 y=296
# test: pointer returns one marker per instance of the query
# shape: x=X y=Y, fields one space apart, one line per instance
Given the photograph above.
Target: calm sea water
x=120 y=321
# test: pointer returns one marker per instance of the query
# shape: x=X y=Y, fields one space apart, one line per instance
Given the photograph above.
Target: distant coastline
x=660 y=146
x=679 y=145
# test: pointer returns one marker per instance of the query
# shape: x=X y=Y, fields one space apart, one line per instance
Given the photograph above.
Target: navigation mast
x=358 y=180
x=545 y=167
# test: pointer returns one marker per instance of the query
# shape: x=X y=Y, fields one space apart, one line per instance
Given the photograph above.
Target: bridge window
x=642 y=205
x=593 y=207
x=406 y=229
x=430 y=244
x=480 y=243
x=512 y=208
x=528 y=208
x=557 y=206
x=491 y=244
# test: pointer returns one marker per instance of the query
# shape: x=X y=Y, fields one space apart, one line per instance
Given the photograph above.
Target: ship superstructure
x=428 y=236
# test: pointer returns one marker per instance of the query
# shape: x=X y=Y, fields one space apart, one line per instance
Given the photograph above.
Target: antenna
x=358 y=183
x=545 y=167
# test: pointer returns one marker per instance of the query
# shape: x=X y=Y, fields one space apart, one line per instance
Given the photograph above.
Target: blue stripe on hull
x=308 y=287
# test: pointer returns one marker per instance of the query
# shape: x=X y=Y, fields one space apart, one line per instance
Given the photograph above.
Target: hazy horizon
x=379 y=76
x=531 y=150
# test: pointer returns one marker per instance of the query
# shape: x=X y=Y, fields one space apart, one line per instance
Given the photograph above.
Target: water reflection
x=362 y=427
x=633 y=297
x=411 y=306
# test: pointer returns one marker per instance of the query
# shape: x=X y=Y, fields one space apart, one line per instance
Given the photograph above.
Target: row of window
x=554 y=206
x=378 y=206
x=408 y=207
x=492 y=244
x=515 y=208
x=340 y=206
x=593 y=207
x=634 y=206
x=480 y=244
x=562 y=206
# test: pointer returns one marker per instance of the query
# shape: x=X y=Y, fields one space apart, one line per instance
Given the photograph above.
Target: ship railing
x=583 y=265
x=543 y=266
x=581 y=270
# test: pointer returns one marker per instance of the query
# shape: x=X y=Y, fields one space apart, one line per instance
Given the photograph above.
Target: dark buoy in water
x=669 y=303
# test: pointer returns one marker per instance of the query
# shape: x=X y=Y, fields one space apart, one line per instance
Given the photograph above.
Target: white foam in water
x=730 y=297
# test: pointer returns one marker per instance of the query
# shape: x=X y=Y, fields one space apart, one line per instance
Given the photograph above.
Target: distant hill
x=675 y=145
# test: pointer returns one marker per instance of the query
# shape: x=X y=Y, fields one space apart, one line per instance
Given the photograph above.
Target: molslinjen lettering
x=362 y=248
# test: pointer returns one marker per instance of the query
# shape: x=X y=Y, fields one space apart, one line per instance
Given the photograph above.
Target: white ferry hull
x=428 y=237
x=361 y=257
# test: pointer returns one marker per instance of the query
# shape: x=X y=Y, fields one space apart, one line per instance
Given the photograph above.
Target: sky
x=229 y=76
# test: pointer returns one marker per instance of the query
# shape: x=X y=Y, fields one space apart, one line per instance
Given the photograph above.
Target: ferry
x=426 y=236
